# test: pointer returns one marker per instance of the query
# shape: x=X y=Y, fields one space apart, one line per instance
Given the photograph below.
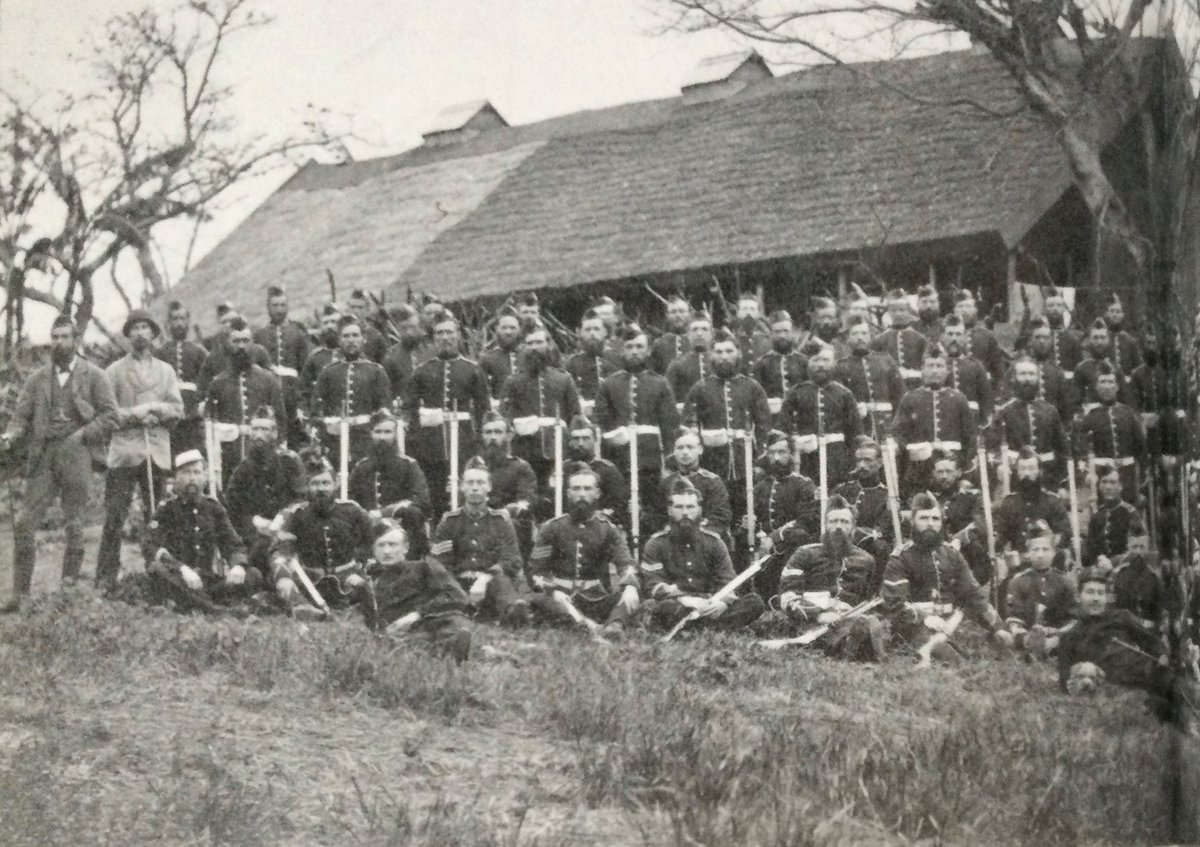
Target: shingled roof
x=814 y=162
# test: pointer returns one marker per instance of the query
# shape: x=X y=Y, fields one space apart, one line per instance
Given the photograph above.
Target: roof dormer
x=466 y=120
x=718 y=77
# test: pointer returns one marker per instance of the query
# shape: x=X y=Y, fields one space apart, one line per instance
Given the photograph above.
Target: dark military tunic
x=941 y=575
x=642 y=399
x=1086 y=373
x=1114 y=434
x=287 y=345
x=1052 y=387
x=421 y=586
x=614 y=490
x=686 y=371
x=667 y=348
x=931 y=329
x=1066 y=350
x=874 y=380
x=263 y=489
x=498 y=364
x=187 y=359
x=781 y=499
x=469 y=544
x=981 y=344
x=971 y=378
x=959 y=506
x=1137 y=588
x=671 y=568
x=778 y=373
x=719 y=409
x=377 y=482
x=589 y=370
x=399 y=362
x=316 y=362
x=1124 y=351
x=231 y=401
x=716 y=511
x=828 y=412
x=535 y=402
x=589 y=559
x=219 y=357
x=1094 y=639
x=1039 y=425
x=753 y=340
x=1017 y=511
x=933 y=419
x=906 y=346
x=436 y=386
x=328 y=543
x=1109 y=530
x=192 y=532
x=1050 y=589
x=850 y=579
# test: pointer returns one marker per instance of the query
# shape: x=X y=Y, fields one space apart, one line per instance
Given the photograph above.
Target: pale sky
x=390 y=67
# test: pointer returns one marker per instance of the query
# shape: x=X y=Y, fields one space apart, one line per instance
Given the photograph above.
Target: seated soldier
x=718 y=514
x=925 y=580
x=614 y=490
x=384 y=481
x=581 y=563
x=269 y=479
x=823 y=581
x=1112 y=644
x=183 y=540
x=478 y=546
x=1041 y=600
x=684 y=564
x=1029 y=501
x=781 y=497
x=418 y=598
x=959 y=499
x=319 y=548
x=1113 y=523
x=866 y=492
x=1136 y=586
x=513 y=484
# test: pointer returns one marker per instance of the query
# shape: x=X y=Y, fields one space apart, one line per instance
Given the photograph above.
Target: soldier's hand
x=404 y=624
x=1003 y=638
x=190 y=578
x=629 y=597
x=374 y=514
x=713 y=608
x=235 y=575
x=747 y=521
x=765 y=544
x=261 y=525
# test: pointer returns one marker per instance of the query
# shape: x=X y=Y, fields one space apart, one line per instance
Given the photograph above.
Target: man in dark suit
x=65 y=412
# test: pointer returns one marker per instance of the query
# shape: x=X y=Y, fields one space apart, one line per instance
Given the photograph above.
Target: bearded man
x=537 y=398
x=388 y=484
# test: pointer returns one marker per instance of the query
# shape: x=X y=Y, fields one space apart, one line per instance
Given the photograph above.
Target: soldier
x=330 y=350
x=478 y=546
x=235 y=393
x=220 y=351
x=287 y=346
x=637 y=402
x=1114 y=522
x=384 y=481
x=718 y=514
x=684 y=564
x=186 y=358
x=1051 y=384
x=828 y=579
x=872 y=377
x=979 y=343
x=827 y=326
x=1157 y=389
x=786 y=510
x=330 y=539
x=927 y=577
x=537 y=398
x=1124 y=353
x=64 y=413
x=183 y=541
x=965 y=373
x=581 y=564
x=695 y=365
x=1113 y=432
x=1114 y=642
x=593 y=362
x=750 y=332
x=1029 y=502
x=932 y=418
x=929 y=314
x=267 y=481
x=902 y=342
x=1027 y=421
x=513 y=484
x=1135 y=585
x=867 y=494
x=1041 y=599
x=139 y=448
x=441 y=385
x=351 y=389
x=673 y=342
x=1066 y=343
x=614 y=490
x=403 y=357
x=416 y=597
x=374 y=344
x=959 y=500
x=822 y=410
x=1098 y=348
x=782 y=367
x=499 y=363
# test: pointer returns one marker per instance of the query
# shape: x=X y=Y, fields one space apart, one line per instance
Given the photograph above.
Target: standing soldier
x=1157 y=392
x=1098 y=348
x=637 y=402
x=673 y=343
x=220 y=351
x=872 y=377
x=694 y=366
x=538 y=398
x=235 y=394
x=186 y=358
x=932 y=418
x=929 y=314
x=781 y=368
x=287 y=346
x=966 y=374
x=1052 y=385
x=183 y=541
x=1029 y=502
x=593 y=362
x=581 y=563
x=1113 y=432
x=139 y=450
x=352 y=388
x=1114 y=522
x=822 y=411
x=1027 y=421
x=718 y=514
x=64 y=413
x=980 y=343
x=750 y=332
x=1066 y=343
x=827 y=325
x=441 y=386
x=685 y=564
x=330 y=349
x=402 y=358
x=384 y=481
x=1125 y=353
x=374 y=344
x=478 y=546
x=500 y=362
x=902 y=342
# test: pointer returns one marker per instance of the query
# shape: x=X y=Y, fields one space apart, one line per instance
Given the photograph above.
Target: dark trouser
x=118 y=489
x=604 y=609
x=187 y=435
x=64 y=471
x=168 y=584
x=741 y=611
x=498 y=597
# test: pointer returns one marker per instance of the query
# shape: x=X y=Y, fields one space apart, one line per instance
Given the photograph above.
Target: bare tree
x=153 y=140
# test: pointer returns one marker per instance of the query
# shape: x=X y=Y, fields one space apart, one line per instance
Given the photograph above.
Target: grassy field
x=121 y=725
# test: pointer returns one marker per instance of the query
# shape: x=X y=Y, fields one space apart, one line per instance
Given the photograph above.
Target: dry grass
x=127 y=726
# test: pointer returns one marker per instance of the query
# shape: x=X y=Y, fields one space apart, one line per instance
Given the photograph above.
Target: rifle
x=454 y=454
x=149 y=474
x=558 y=465
x=721 y=594
x=891 y=475
x=1073 y=493
x=730 y=315
x=213 y=447
x=635 y=506
x=822 y=474
x=813 y=634
x=302 y=577
x=985 y=489
x=401 y=443
x=344 y=450
x=748 y=458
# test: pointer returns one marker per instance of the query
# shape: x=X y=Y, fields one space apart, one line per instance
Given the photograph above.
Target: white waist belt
x=775 y=405
x=532 y=424
x=640 y=429
x=228 y=431
x=1087 y=407
x=332 y=423
x=187 y=386
x=974 y=406
x=586 y=407
x=437 y=417
x=281 y=370
x=909 y=373
x=571 y=584
x=1068 y=374
x=1119 y=461
x=809 y=443
x=864 y=408
x=921 y=450
x=720 y=437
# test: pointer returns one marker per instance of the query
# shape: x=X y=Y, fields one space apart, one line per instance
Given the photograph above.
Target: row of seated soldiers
x=319 y=551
